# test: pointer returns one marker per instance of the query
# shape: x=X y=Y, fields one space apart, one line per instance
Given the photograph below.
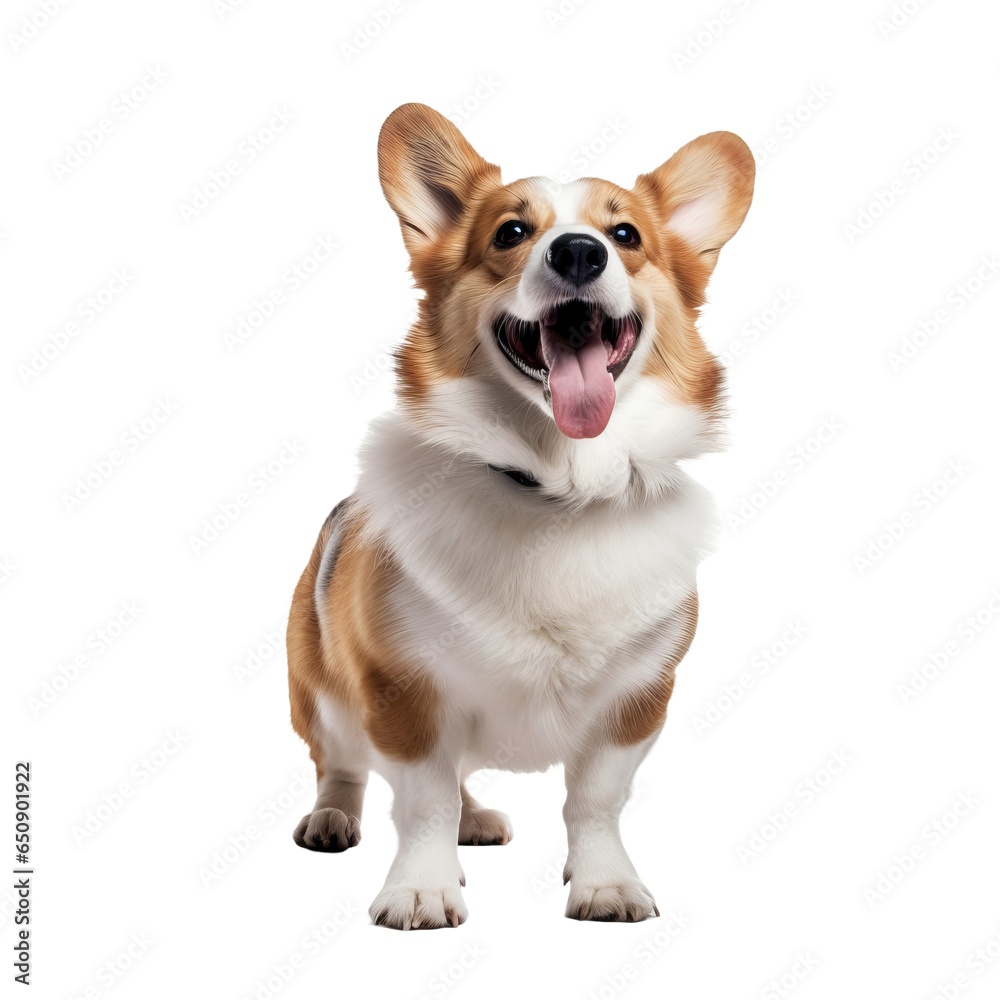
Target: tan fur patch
x=441 y=344
x=679 y=359
x=305 y=659
x=351 y=657
x=638 y=715
x=668 y=280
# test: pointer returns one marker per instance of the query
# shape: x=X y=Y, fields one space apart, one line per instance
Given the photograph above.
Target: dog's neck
x=633 y=460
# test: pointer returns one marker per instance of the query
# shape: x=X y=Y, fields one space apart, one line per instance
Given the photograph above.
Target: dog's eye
x=625 y=234
x=511 y=233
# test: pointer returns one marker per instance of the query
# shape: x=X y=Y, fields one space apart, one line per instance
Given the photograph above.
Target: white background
x=600 y=91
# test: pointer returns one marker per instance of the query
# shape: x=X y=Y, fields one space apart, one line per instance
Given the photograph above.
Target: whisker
x=469 y=359
x=512 y=277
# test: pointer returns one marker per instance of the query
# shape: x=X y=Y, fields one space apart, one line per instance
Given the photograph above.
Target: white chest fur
x=532 y=615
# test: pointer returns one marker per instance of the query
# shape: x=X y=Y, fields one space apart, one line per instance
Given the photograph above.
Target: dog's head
x=559 y=301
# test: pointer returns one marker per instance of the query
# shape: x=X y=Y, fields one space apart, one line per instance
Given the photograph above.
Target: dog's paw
x=327 y=830
x=484 y=826
x=410 y=909
x=627 y=900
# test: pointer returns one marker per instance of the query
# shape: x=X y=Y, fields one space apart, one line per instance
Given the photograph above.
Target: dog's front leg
x=603 y=881
x=422 y=888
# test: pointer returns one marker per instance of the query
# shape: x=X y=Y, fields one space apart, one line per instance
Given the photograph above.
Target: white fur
x=422 y=888
x=603 y=876
x=534 y=616
x=566 y=199
x=540 y=287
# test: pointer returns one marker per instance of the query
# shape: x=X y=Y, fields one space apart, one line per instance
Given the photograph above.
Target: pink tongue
x=582 y=388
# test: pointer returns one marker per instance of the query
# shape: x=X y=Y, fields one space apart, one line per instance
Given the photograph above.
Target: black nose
x=577 y=257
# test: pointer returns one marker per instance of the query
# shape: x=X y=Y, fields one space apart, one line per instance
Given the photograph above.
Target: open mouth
x=576 y=352
x=572 y=324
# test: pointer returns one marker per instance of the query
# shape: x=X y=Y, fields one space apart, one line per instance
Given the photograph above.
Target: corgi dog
x=512 y=583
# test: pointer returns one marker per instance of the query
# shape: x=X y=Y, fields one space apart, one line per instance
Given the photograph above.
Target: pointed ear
x=428 y=172
x=703 y=191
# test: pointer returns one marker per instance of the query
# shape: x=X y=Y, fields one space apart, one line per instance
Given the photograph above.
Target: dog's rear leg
x=341 y=776
x=335 y=822
x=341 y=769
x=480 y=825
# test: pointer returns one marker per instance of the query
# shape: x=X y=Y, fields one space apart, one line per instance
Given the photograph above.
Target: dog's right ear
x=428 y=171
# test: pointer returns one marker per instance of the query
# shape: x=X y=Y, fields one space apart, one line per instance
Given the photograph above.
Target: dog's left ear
x=703 y=191
x=428 y=171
